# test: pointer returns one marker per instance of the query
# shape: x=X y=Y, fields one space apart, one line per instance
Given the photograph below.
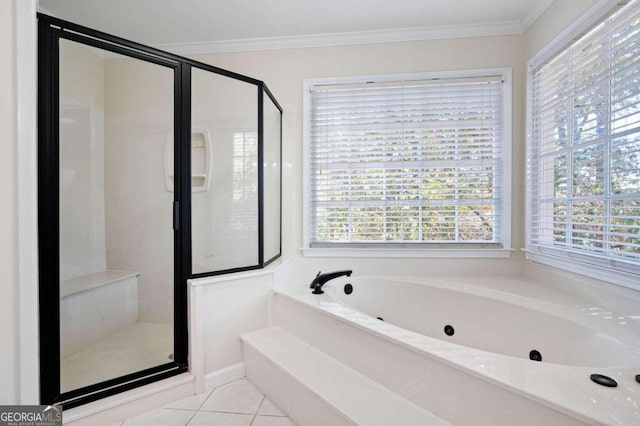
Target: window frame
x=610 y=271
x=417 y=249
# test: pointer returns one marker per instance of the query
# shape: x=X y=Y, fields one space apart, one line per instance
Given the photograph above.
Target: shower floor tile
x=238 y=403
x=136 y=347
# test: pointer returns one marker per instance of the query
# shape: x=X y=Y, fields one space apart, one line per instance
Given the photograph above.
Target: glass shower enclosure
x=153 y=169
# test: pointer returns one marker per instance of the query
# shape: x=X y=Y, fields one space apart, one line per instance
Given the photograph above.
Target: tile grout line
x=202 y=403
x=228 y=412
x=197 y=410
x=259 y=405
x=191 y=418
x=179 y=409
x=206 y=398
x=210 y=393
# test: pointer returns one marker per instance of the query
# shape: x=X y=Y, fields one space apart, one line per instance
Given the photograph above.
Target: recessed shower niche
x=200 y=161
x=153 y=169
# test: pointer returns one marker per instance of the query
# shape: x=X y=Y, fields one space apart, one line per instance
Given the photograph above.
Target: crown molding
x=346 y=38
x=535 y=13
x=574 y=31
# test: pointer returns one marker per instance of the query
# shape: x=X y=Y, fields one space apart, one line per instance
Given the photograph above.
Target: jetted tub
x=496 y=321
x=445 y=342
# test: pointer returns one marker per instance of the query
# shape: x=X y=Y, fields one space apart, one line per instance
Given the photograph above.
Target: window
x=245 y=182
x=584 y=152
x=415 y=161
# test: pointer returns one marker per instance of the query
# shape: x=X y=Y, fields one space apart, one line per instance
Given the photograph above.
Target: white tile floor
x=238 y=403
x=132 y=348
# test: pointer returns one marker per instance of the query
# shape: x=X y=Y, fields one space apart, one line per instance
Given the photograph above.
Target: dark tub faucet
x=321 y=279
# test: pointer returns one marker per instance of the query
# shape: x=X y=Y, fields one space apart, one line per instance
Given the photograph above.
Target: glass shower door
x=116 y=263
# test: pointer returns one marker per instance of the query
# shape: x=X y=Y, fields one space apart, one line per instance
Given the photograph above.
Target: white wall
x=552 y=22
x=230 y=309
x=9 y=363
x=284 y=71
x=82 y=223
x=139 y=213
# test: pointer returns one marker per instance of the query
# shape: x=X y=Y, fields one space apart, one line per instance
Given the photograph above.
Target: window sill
x=407 y=253
x=601 y=273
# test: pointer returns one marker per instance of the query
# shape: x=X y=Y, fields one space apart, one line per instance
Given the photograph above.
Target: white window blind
x=244 y=212
x=585 y=148
x=407 y=162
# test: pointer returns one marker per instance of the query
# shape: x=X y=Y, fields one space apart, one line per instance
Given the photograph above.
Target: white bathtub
x=495 y=321
x=495 y=331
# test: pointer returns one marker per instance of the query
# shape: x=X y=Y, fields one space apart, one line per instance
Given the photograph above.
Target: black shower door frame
x=50 y=31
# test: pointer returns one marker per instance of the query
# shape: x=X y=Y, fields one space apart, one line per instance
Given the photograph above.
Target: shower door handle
x=176 y=215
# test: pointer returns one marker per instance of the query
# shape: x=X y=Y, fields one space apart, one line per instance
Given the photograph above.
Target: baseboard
x=224 y=376
x=116 y=408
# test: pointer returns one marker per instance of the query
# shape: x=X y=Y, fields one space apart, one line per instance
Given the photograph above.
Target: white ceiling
x=164 y=22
